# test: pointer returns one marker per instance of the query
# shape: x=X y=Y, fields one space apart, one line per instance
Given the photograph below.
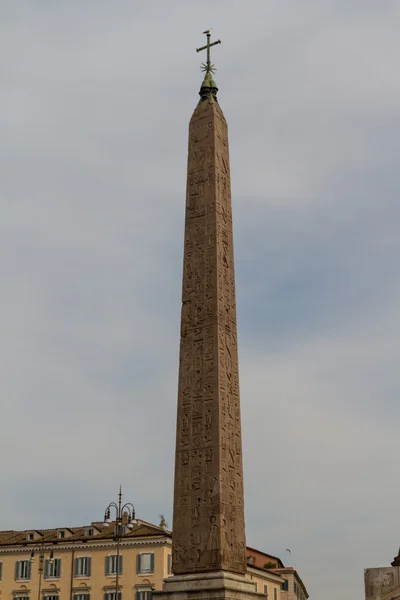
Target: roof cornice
x=89 y=545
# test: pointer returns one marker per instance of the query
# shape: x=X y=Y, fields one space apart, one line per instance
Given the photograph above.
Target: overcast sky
x=94 y=108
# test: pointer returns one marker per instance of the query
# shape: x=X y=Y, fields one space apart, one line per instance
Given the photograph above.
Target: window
x=23 y=569
x=144 y=595
x=61 y=534
x=169 y=567
x=266 y=591
x=112 y=596
x=52 y=597
x=52 y=569
x=145 y=562
x=29 y=537
x=275 y=593
x=83 y=566
x=256 y=586
x=111 y=565
x=82 y=596
x=89 y=532
x=295 y=588
x=21 y=597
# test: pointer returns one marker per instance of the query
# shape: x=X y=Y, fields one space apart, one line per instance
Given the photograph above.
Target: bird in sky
x=287 y=550
x=208 y=30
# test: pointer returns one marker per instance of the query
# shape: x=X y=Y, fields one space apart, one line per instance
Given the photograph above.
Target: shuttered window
x=266 y=591
x=169 y=563
x=275 y=593
x=83 y=566
x=145 y=562
x=111 y=564
x=81 y=596
x=144 y=595
x=23 y=569
x=53 y=597
x=1 y=571
x=112 y=596
x=52 y=569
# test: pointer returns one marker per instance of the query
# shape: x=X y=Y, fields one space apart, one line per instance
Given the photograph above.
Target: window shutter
x=1 y=570
x=16 y=570
x=106 y=595
x=28 y=571
x=76 y=567
x=120 y=564
x=89 y=566
x=137 y=593
x=152 y=562
x=57 y=567
x=107 y=569
x=46 y=567
x=138 y=566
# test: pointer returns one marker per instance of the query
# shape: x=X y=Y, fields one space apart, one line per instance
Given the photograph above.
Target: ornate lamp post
x=41 y=563
x=124 y=517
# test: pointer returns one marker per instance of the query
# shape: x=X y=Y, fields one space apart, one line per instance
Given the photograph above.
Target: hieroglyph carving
x=208 y=528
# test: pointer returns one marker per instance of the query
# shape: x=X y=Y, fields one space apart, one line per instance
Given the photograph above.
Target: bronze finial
x=208 y=88
x=207 y=67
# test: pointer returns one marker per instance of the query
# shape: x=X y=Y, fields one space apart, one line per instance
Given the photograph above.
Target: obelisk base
x=217 y=585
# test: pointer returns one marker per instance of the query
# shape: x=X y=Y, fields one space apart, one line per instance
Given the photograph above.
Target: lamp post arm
x=131 y=509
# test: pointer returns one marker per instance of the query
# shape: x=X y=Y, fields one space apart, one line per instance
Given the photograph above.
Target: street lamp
x=41 y=563
x=125 y=517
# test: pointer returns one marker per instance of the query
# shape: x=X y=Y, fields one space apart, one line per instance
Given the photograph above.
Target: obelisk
x=208 y=523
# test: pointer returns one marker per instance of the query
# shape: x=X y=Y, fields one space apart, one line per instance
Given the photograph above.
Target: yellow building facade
x=80 y=563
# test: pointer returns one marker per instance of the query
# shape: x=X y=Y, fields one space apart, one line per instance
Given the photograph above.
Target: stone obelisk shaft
x=208 y=524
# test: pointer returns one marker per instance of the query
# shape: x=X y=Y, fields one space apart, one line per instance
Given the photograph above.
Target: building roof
x=263 y=557
x=75 y=534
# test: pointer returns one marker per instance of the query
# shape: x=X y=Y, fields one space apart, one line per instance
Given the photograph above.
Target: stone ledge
x=216 y=585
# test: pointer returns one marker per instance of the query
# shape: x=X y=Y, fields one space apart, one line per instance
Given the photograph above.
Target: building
x=259 y=562
x=79 y=563
x=383 y=583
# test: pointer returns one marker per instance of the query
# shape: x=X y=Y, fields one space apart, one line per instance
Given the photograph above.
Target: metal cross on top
x=208 y=67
